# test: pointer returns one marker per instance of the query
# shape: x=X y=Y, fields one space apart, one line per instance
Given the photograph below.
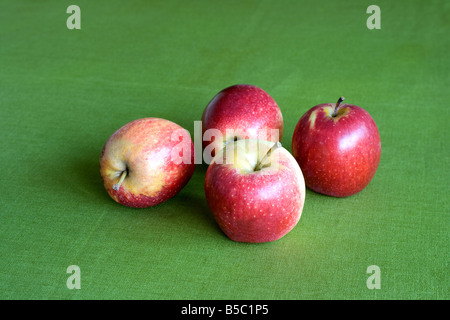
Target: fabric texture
x=64 y=92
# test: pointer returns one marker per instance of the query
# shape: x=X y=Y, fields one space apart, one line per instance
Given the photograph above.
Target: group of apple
x=254 y=187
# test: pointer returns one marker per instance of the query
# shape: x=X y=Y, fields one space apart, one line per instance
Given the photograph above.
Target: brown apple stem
x=338 y=105
x=122 y=177
x=268 y=153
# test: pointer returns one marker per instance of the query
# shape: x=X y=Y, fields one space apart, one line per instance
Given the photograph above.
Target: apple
x=338 y=148
x=255 y=190
x=139 y=165
x=241 y=111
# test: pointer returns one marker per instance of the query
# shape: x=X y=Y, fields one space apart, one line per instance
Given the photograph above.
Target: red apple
x=338 y=148
x=255 y=190
x=238 y=112
x=141 y=162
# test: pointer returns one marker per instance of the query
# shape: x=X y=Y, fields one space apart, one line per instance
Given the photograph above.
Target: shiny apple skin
x=338 y=155
x=144 y=148
x=259 y=206
x=246 y=111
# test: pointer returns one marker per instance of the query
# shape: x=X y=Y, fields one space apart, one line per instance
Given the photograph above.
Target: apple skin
x=255 y=206
x=143 y=148
x=338 y=155
x=243 y=111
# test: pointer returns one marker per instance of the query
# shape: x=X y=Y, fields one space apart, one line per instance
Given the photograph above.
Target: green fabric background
x=64 y=92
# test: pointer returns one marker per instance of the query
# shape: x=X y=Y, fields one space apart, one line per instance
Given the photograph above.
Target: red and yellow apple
x=255 y=190
x=147 y=162
x=241 y=111
x=338 y=148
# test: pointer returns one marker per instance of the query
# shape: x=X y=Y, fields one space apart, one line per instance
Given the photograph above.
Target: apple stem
x=122 y=177
x=336 y=108
x=268 y=153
